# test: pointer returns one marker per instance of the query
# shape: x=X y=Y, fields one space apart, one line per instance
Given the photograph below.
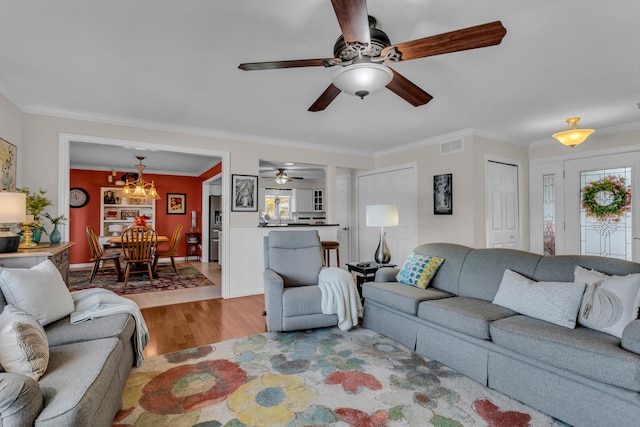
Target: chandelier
x=140 y=189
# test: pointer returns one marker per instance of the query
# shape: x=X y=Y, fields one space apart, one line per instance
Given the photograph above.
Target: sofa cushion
x=418 y=270
x=631 y=337
x=610 y=302
x=62 y=331
x=483 y=269
x=74 y=399
x=400 y=296
x=470 y=316
x=555 y=302
x=583 y=351
x=23 y=343
x=39 y=290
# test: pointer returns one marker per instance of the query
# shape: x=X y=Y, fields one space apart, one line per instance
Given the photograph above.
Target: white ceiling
x=174 y=63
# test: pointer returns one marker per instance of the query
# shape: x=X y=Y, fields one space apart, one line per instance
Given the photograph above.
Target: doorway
x=65 y=141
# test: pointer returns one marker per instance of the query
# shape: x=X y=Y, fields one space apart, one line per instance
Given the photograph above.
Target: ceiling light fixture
x=362 y=78
x=140 y=189
x=281 y=177
x=573 y=136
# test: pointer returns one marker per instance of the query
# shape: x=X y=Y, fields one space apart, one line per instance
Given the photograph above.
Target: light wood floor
x=188 y=318
x=192 y=324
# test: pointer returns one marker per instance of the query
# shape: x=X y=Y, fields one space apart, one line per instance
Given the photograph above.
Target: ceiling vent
x=451 y=147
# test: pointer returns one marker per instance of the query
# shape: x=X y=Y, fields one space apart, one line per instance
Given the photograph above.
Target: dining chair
x=172 y=252
x=138 y=247
x=98 y=255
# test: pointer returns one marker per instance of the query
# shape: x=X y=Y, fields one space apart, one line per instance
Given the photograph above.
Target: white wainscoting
x=246 y=258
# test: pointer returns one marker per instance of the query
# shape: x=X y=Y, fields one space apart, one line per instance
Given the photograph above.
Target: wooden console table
x=58 y=253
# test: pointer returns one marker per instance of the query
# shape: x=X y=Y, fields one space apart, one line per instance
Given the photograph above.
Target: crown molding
x=187 y=130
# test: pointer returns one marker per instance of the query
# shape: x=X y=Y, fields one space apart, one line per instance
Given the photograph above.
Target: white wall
x=467 y=224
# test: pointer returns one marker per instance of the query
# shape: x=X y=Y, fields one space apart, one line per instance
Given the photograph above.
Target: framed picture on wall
x=443 y=194
x=176 y=204
x=244 y=189
x=8 y=153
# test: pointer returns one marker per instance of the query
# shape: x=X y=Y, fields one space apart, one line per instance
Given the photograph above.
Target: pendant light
x=573 y=136
x=140 y=189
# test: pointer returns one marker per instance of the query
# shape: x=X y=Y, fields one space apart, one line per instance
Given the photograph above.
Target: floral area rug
x=324 y=377
x=187 y=277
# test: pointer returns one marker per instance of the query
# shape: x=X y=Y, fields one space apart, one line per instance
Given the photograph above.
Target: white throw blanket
x=93 y=303
x=340 y=296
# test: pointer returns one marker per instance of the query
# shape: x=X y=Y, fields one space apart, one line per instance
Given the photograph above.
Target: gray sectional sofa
x=580 y=376
x=88 y=366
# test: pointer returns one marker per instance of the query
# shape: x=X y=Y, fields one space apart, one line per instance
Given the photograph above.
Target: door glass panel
x=605 y=214
x=549 y=213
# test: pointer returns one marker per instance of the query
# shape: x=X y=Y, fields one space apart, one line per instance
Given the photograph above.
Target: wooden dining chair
x=98 y=255
x=172 y=252
x=138 y=247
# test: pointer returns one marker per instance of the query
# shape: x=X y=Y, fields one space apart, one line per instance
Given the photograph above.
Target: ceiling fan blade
x=484 y=35
x=325 y=99
x=408 y=91
x=253 y=66
x=353 y=19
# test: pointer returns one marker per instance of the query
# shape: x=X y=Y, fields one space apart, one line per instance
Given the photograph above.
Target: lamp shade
x=13 y=207
x=362 y=79
x=573 y=135
x=382 y=215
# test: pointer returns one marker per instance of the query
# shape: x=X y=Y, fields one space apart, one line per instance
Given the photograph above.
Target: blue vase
x=55 y=235
x=37 y=234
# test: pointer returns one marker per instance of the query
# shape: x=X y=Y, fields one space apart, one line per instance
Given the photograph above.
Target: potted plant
x=55 y=235
x=36 y=202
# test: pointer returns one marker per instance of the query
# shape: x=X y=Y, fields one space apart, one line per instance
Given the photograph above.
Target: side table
x=366 y=271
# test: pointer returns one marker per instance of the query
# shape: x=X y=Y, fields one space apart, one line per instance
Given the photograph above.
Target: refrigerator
x=215 y=228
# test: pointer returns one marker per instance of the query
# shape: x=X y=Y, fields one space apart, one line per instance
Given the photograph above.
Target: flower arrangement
x=618 y=201
x=140 y=221
x=36 y=202
x=59 y=220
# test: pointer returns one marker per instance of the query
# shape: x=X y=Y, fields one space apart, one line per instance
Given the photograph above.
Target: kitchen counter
x=297 y=224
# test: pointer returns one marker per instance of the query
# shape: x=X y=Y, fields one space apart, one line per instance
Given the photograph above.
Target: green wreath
x=621 y=198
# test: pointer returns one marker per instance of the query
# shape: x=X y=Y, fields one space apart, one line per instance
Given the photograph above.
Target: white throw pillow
x=24 y=348
x=39 y=290
x=610 y=303
x=555 y=302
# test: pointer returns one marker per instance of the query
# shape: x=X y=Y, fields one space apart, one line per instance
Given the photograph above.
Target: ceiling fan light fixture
x=362 y=79
x=573 y=136
x=281 y=177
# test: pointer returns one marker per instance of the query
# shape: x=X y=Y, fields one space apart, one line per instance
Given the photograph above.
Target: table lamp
x=382 y=216
x=13 y=210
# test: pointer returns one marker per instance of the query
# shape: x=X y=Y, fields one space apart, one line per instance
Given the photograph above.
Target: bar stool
x=327 y=246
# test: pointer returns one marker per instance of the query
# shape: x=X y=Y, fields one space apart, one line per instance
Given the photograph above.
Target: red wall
x=163 y=223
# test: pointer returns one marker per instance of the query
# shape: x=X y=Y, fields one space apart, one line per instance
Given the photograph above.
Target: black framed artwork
x=443 y=194
x=244 y=193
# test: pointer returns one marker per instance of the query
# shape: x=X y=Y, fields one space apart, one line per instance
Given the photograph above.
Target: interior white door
x=615 y=236
x=501 y=199
x=397 y=187
x=343 y=217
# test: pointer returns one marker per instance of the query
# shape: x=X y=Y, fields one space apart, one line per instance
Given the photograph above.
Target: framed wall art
x=176 y=204
x=443 y=194
x=244 y=191
x=8 y=153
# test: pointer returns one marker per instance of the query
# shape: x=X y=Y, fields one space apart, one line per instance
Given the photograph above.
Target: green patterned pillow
x=418 y=270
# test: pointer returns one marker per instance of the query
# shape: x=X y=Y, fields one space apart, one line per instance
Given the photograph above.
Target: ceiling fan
x=282 y=177
x=362 y=49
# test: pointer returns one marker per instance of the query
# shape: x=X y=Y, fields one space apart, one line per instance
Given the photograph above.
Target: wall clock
x=78 y=197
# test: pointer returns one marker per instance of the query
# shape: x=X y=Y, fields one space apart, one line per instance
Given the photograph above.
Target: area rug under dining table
x=187 y=277
x=323 y=377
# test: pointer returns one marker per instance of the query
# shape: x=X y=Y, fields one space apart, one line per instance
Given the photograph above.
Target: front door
x=599 y=219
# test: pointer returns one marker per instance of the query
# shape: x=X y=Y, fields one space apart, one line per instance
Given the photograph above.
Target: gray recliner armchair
x=293 y=260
